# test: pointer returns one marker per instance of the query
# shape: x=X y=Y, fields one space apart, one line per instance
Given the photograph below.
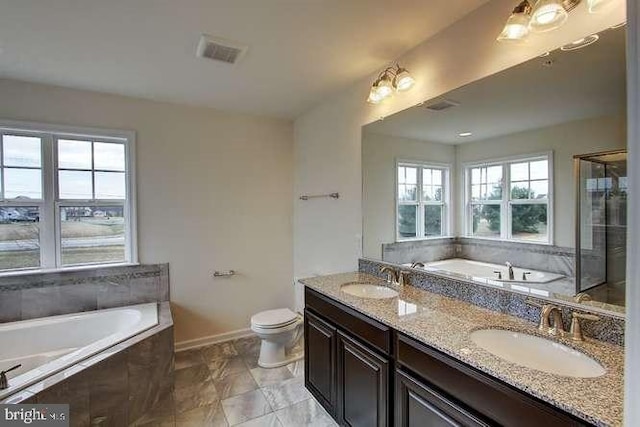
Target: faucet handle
x=524 y=275
x=499 y=273
x=576 y=329
x=403 y=278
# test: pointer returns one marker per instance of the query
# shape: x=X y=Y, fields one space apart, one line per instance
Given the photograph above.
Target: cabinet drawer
x=493 y=399
x=374 y=333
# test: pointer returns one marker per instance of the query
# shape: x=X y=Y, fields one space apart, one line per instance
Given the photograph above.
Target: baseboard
x=213 y=339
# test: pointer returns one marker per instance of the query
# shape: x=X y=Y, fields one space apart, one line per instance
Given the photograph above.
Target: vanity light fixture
x=579 y=44
x=391 y=79
x=596 y=6
x=465 y=134
x=547 y=15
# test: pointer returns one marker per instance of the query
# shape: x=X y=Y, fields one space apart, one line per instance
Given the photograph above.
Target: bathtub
x=48 y=345
x=482 y=271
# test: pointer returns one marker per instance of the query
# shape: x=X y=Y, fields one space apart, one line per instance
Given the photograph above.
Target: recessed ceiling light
x=579 y=44
x=465 y=134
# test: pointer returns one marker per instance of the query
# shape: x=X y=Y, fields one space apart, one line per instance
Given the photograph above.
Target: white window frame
x=50 y=221
x=506 y=203
x=445 y=203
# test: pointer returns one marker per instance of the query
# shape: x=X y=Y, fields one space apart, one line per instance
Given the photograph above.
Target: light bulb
x=516 y=28
x=384 y=87
x=403 y=80
x=547 y=15
x=596 y=6
x=374 y=98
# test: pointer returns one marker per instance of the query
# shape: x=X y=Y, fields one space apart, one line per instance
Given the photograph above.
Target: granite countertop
x=445 y=324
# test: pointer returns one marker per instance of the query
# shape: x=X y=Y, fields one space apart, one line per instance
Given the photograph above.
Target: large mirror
x=517 y=180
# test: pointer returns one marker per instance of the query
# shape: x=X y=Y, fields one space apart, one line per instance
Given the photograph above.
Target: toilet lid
x=274 y=318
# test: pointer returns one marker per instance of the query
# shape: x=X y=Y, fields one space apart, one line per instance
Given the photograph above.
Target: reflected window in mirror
x=422 y=195
x=510 y=199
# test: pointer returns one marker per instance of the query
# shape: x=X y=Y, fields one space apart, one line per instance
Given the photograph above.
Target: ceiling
x=580 y=84
x=300 y=51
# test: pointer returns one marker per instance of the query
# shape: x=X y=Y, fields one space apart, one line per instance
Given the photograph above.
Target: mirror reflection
x=517 y=180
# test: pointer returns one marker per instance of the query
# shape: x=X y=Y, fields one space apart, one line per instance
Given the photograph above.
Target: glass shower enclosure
x=601 y=225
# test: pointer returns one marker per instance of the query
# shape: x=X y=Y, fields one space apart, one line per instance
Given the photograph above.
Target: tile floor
x=222 y=385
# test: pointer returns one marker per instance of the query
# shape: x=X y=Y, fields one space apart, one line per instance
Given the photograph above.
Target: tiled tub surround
x=31 y=295
x=610 y=327
x=445 y=324
x=119 y=386
x=553 y=259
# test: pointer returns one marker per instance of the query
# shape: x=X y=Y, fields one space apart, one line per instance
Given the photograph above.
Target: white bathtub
x=50 y=344
x=485 y=271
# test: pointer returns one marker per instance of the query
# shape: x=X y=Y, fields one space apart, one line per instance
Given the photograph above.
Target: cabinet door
x=363 y=385
x=417 y=405
x=320 y=360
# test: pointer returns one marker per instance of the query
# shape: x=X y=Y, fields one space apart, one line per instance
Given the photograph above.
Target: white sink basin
x=537 y=353
x=368 y=290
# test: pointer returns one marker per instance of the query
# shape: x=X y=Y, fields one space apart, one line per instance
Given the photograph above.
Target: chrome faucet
x=511 y=275
x=417 y=264
x=4 y=382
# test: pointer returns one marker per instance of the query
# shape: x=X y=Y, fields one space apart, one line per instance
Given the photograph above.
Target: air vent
x=221 y=50
x=445 y=104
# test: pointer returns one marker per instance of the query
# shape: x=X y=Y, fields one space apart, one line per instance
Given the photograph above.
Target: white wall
x=379 y=155
x=327 y=233
x=565 y=140
x=214 y=192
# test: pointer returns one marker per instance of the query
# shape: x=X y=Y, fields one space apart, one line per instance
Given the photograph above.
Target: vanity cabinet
x=365 y=374
x=347 y=362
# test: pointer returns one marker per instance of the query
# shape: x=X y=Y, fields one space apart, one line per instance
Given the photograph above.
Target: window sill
x=490 y=239
x=419 y=239
x=70 y=269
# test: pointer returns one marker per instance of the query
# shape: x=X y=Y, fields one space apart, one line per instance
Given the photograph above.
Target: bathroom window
x=66 y=197
x=422 y=201
x=510 y=199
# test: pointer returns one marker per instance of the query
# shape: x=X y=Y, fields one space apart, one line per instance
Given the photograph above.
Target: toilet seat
x=273 y=319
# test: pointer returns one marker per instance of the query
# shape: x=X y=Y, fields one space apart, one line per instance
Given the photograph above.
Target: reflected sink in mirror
x=368 y=290
x=537 y=353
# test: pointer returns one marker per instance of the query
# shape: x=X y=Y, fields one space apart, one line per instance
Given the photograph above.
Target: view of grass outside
x=19 y=239
x=92 y=235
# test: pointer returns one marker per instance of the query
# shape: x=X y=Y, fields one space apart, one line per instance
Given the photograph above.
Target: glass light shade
x=596 y=6
x=403 y=80
x=374 y=98
x=547 y=15
x=384 y=87
x=516 y=28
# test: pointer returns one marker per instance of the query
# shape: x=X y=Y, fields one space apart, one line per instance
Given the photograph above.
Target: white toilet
x=278 y=329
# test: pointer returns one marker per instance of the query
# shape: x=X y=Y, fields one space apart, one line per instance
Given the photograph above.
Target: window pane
x=520 y=190
x=432 y=220
x=475 y=176
x=74 y=154
x=411 y=175
x=22 y=183
x=437 y=194
x=407 y=215
x=19 y=237
x=529 y=222
x=519 y=171
x=494 y=174
x=428 y=193
x=92 y=234
x=539 y=189
x=75 y=185
x=475 y=192
x=110 y=185
x=426 y=176
x=540 y=169
x=108 y=156
x=437 y=177
x=21 y=151
x=486 y=220
x=494 y=192
x=407 y=193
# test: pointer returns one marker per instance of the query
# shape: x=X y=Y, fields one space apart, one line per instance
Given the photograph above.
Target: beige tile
x=270 y=376
x=188 y=358
x=296 y=368
x=248 y=346
x=269 y=420
x=205 y=416
x=197 y=395
x=220 y=368
x=235 y=384
x=188 y=377
x=286 y=393
x=222 y=350
x=305 y=413
x=245 y=407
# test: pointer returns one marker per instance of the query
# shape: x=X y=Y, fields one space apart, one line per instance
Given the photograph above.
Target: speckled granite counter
x=445 y=324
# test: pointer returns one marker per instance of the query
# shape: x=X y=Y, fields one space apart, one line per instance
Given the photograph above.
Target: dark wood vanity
x=365 y=373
